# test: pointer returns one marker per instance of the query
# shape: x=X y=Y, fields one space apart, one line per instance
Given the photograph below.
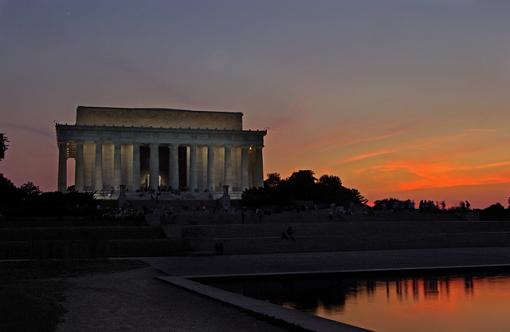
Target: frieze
x=158 y=135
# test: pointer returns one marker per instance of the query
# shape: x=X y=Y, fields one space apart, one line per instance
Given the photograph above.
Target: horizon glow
x=405 y=99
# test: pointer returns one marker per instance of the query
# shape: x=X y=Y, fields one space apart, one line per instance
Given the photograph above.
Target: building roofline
x=106 y=108
x=107 y=127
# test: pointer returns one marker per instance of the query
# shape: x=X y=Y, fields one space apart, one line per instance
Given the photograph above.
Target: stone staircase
x=338 y=236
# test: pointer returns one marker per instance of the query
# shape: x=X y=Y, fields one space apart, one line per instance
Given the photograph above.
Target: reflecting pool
x=429 y=302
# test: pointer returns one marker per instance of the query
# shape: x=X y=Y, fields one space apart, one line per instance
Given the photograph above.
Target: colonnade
x=110 y=165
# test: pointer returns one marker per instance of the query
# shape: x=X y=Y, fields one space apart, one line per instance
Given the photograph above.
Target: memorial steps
x=340 y=236
x=96 y=237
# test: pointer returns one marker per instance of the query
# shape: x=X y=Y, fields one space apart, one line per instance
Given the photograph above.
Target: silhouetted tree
x=393 y=204
x=3 y=145
x=428 y=206
x=273 y=180
x=495 y=212
x=330 y=181
x=357 y=197
x=495 y=208
x=329 y=188
x=302 y=185
x=30 y=190
x=9 y=194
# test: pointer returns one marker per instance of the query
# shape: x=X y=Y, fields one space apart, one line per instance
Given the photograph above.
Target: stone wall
x=152 y=117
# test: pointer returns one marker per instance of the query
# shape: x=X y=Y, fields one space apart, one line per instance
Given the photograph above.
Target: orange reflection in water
x=427 y=304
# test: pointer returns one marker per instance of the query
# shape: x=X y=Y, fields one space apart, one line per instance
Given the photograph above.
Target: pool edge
x=291 y=317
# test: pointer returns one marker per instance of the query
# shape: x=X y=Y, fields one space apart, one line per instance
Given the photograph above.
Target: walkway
x=328 y=261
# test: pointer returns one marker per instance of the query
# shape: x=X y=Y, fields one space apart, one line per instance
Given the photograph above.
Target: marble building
x=148 y=148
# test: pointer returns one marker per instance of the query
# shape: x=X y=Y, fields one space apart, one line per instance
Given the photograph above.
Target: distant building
x=149 y=148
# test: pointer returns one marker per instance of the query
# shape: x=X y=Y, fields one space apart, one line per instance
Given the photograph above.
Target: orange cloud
x=441 y=175
x=421 y=168
x=488 y=165
x=446 y=182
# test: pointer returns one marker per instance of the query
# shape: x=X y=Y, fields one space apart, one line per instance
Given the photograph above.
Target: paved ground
x=135 y=301
x=346 y=260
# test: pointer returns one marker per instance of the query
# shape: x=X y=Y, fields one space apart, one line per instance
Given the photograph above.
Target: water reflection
x=468 y=285
x=394 y=303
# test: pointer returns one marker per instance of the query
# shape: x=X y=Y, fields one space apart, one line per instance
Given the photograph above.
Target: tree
x=495 y=212
x=302 y=186
x=8 y=192
x=357 y=197
x=303 y=178
x=330 y=181
x=29 y=190
x=273 y=180
x=495 y=208
x=3 y=145
x=394 y=204
x=428 y=206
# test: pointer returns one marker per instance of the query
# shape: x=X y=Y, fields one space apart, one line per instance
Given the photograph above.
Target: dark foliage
x=30 y=190
x=495 y=212
x=57 y=203
x=3 y=145
x=428 y=206
x=302 y=186
x=29 y=201
x=495 y=208
x=273 y=180
x=394 y=204
x=9 y=193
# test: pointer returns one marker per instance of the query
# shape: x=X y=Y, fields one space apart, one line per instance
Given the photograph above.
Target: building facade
x=141 y=149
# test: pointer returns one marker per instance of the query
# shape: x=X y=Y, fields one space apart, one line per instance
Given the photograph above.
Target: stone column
x=98 y=167
x=193 y=167
x=62 y=166
x=259 y=168
x=174 y=166
x=135 y=175
x=117 y=167
x=79 y=167
x=210 y=168
x=244 y=168
x=154 y=166
x=227 y=167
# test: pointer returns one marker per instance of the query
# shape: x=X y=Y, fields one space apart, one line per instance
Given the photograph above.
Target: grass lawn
x=32 y=293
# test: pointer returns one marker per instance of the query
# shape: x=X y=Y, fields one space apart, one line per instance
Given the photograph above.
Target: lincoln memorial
x=143 y=149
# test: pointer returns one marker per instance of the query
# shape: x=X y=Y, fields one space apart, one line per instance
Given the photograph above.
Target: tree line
x=302 y=186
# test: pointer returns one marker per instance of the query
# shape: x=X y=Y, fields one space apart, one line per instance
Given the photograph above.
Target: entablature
x=148 y=135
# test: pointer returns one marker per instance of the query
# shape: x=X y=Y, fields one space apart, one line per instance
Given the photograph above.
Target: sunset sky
x=406 y=98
